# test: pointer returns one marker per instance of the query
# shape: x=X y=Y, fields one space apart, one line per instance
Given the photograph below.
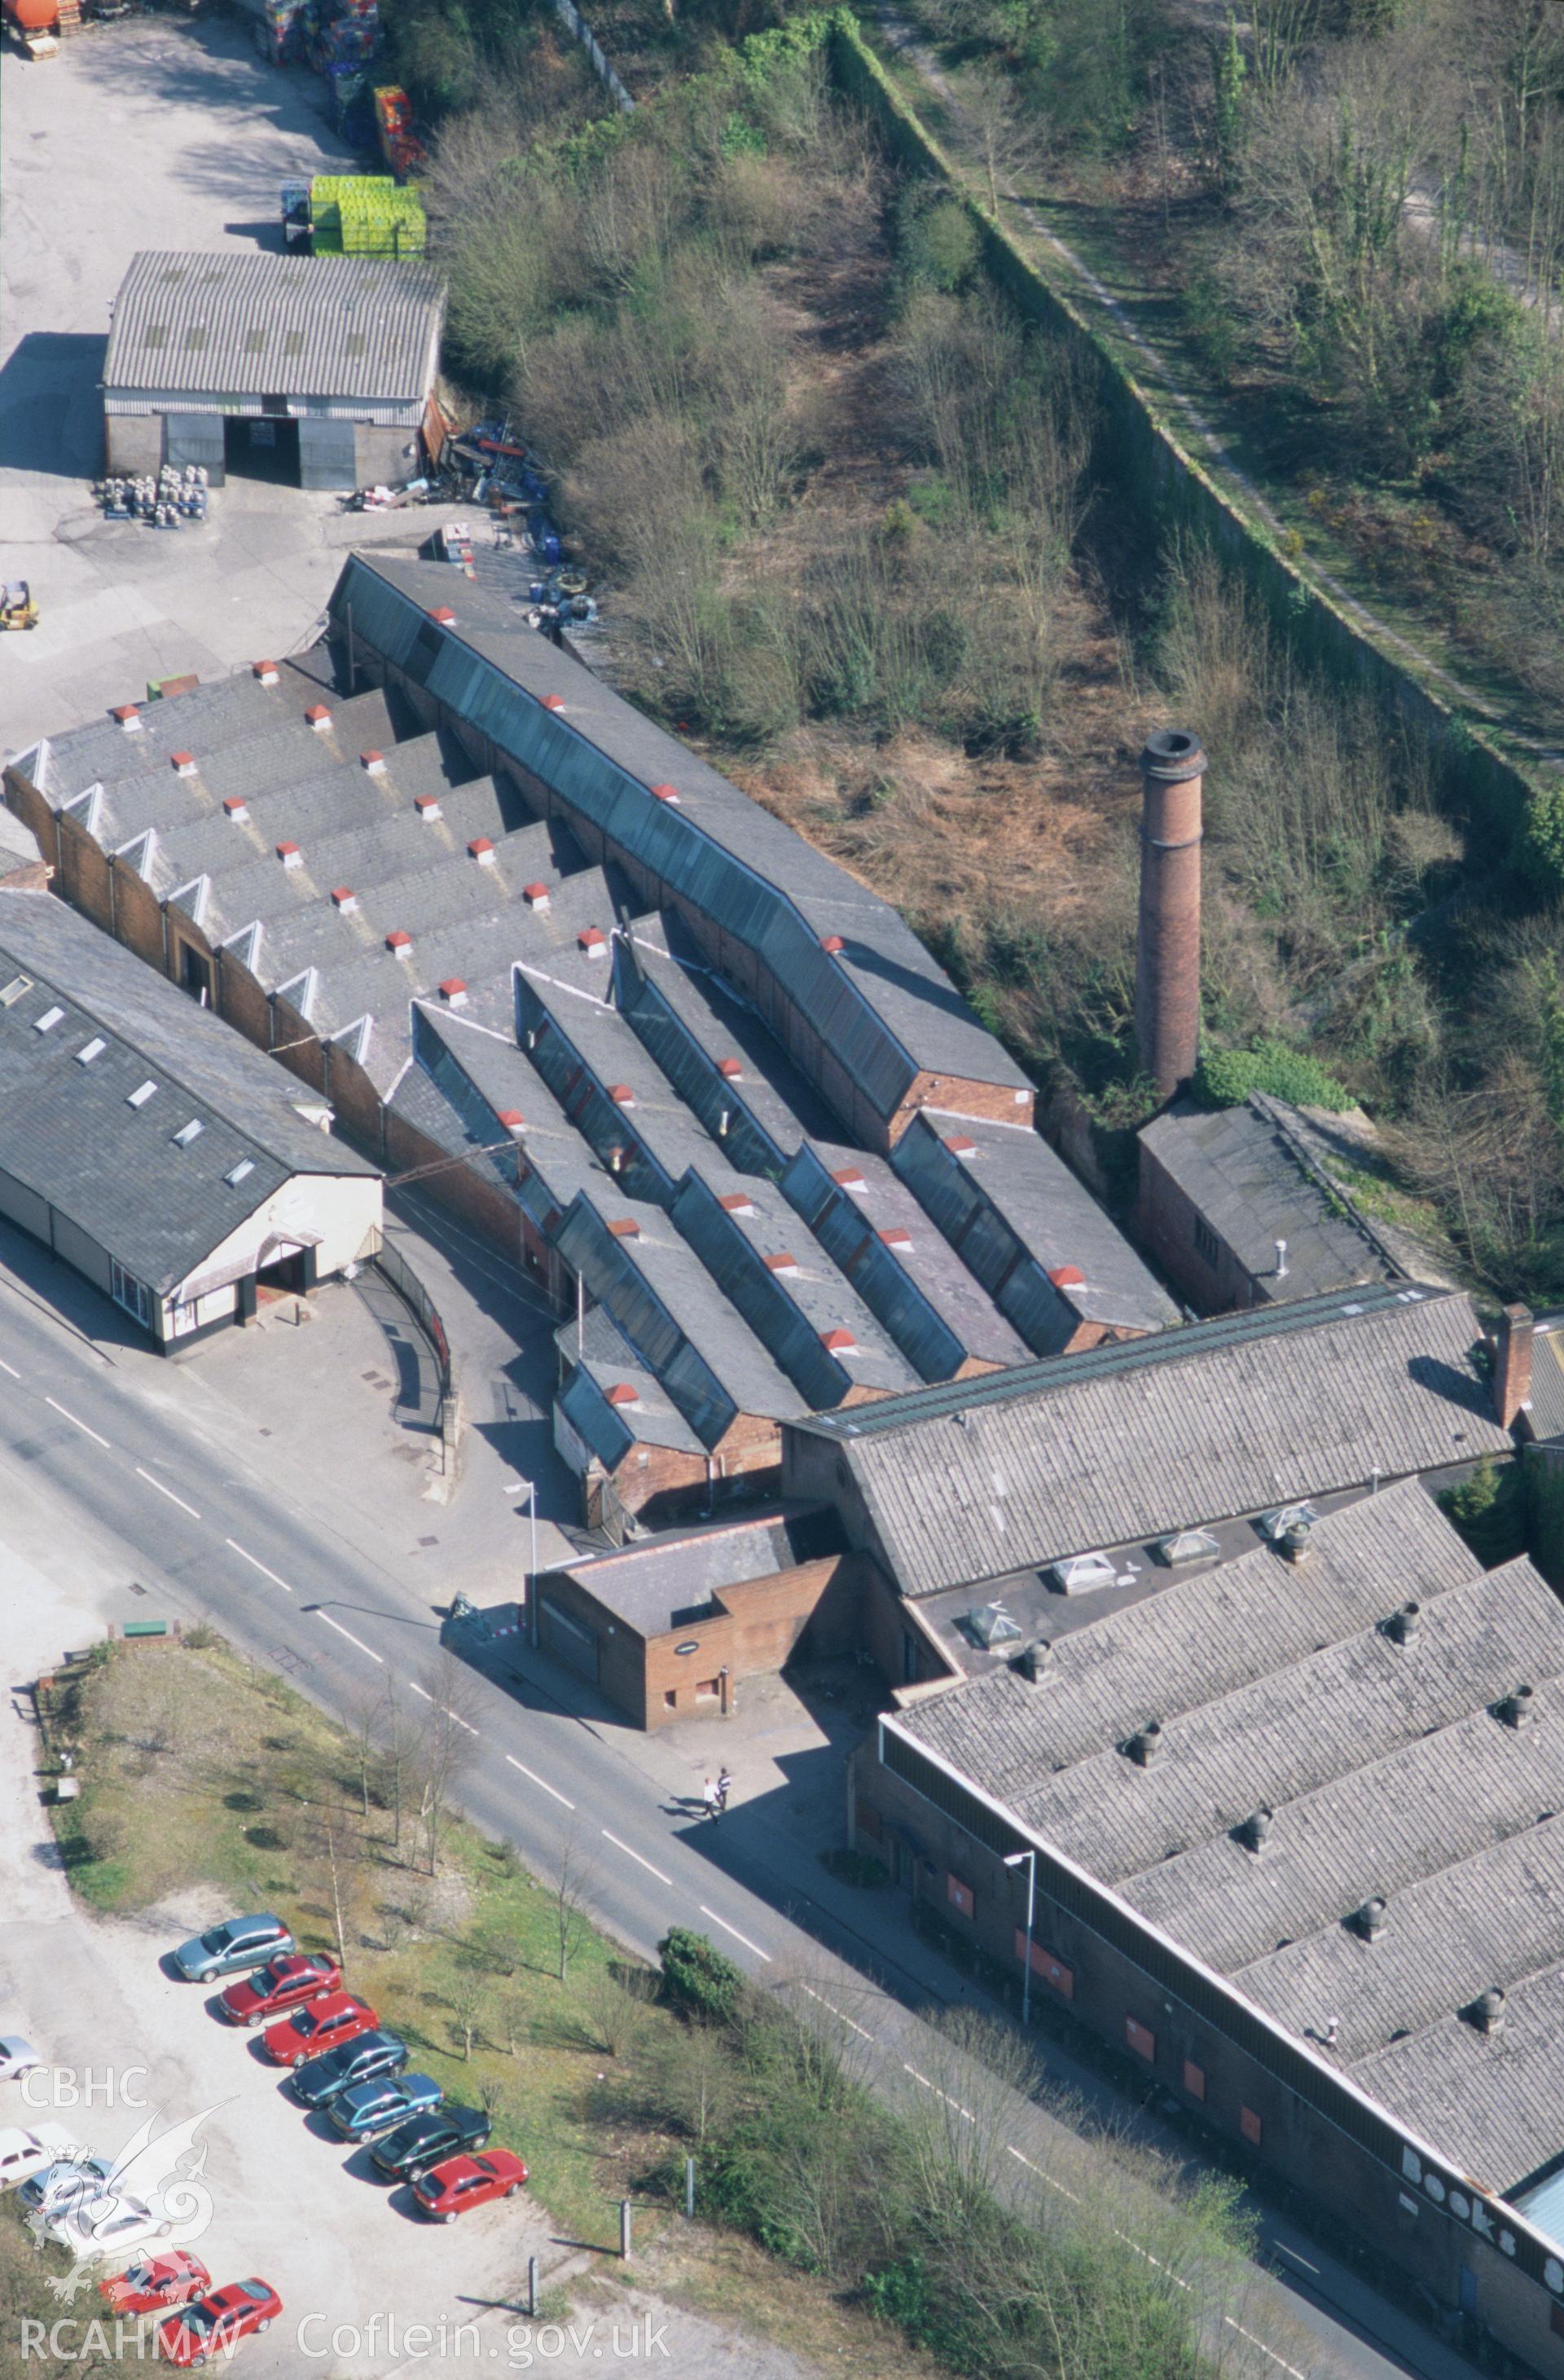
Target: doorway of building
x=261 y=448
x=289 y=1275
x=195 y=974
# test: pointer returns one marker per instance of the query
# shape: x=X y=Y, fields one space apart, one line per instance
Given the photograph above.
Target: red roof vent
x=535 y=895
x=290 y=854
x=960 y=1144
x=182 y=763
x=454 y=990
x=831 y=944
x=593 y=941
x=426 y=806
x=127 y=714
x=839 y=1342
x=621 y=1394
x=317 y=716
x=782 y=1262
x=665 y=793
x=482 y=850
x=896 y=1237
x=554 y=702
x=265 y=671
x=624 y=1227
x=737 y=1202
x=622 y=1095
x=236 y=807
x=1068 y=1277
x=729 y=1069
x=373 y=761
x=344 y=898
x=849 y=1178
x=400 y=942
x=513 y=1118
x=442 y=617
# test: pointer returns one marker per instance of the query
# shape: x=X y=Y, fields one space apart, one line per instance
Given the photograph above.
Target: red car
x=216 y=2325
x=324 y=2024
x=284 y=1983
x=153 y=2284
x=448 y=2189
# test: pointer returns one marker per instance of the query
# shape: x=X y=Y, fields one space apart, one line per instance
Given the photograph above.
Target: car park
x=424 y=2141
x=16 y=2058
x=369 y=2108
x=153 y=2284
x=106 y=2226
x=57 y=2185
x=284 y=1983
x=230 y=1948
x=373 y=2053
x=460 y=2184
x=214 y=2324
x=324 y=2024
x=24 y=2153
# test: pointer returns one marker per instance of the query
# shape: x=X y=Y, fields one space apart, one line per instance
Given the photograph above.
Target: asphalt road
x=132 y=1477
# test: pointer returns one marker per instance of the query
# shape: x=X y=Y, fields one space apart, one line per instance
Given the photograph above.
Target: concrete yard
x=150 y=133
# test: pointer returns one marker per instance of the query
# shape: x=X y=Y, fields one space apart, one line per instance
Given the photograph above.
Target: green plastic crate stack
x=330 y=195
x=379 y=219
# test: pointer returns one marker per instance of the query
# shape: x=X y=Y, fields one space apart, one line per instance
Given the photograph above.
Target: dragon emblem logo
x=160 y=2171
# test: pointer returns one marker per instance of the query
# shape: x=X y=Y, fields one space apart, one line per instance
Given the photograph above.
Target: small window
x=1194 y=2079
x=195 y=337
x=960 y=1896
x=1054 y=1973
x=47 y=1022
x=140 y=1095
x=90 y=1049
x=1142 y=2040
x=189 y=1131
x=705 y=1690
x=237 y=1174
x=14 y=989
x=669 y=1698
x=1249 y=2124
x=133 y=1294
x=157 y=337
x=1207 y=1242
x=254 y=342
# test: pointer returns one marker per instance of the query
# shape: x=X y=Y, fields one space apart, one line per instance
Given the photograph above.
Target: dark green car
x=422 y=2141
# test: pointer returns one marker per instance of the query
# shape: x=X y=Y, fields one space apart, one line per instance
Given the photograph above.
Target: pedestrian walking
x=713 y=1803
x=724 y=1787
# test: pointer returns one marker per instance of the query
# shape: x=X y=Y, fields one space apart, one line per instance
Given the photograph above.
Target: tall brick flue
x=1168 y=949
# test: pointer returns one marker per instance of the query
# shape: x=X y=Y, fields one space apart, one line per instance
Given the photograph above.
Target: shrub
x=1541 y=842
x=697 y=1978
x=1489 y=1508
x=1226 y=1077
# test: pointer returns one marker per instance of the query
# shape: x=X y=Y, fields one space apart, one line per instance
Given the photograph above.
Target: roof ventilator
x=1518 y=1710
x=1254 y=1832
x=1371 y=1919
x=1295 y=1542
x=1035 y=1663
x=1486 y=2011
x=1145 y=1743
x=1403 y=1625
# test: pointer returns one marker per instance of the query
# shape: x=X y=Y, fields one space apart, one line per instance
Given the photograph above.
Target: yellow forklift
x=17 y=609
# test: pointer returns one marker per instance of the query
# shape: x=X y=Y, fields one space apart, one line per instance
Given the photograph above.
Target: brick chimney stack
x=1167 y=952
x=1512 y=1364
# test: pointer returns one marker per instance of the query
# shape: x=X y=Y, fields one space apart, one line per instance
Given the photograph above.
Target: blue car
x=234 y=1949
x=370 y=2108
x=372 y=2054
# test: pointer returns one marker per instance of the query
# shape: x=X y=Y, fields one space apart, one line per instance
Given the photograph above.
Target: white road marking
x=455 y=1717
x=342 y=1632
x=736 y=1935
x=537 y=1780
x=257 y=1565
x=965 y=2113
x=168 y=1492
x=837 y=2013
x=73 y=1420
x=640 y=1862
x=11 y=1368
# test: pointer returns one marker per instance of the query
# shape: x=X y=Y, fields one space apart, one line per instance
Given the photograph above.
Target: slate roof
x=1388 y=1771
x=117 y=1171
x=1249 y=1172
x=215 y=325
x=1544 y=1414
x=1121 y=1442
x=672 y=1581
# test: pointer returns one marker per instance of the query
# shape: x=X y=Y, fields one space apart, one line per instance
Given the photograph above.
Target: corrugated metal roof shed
x=224 y=324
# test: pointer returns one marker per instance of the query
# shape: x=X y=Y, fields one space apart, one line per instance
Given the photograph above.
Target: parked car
x=423 y=2141
x=22 y=2153
x=106 y=2226
x=373 y=2053
x=229 y=1950
x=324 y=2024
x=153 y=2284
x=69 y=2177
x=16 y=2058
x=369 y=2108
x=281 y=1985
x=214 y=2324
x=449 y=2189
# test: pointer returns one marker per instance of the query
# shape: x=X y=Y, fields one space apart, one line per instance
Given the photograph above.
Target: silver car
x=233 y=1949
x=62 y=2185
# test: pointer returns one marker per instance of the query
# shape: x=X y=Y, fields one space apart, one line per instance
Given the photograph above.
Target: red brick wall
x=138 y=915
x=1165 y=1221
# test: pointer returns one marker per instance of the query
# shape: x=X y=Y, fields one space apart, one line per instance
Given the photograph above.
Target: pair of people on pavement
x=715 y=1796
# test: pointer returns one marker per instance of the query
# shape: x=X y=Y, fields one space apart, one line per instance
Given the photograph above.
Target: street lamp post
x=1029 y=1860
